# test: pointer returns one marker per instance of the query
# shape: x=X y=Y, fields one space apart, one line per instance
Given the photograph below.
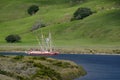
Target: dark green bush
x=12 y=75
x=46 y=71
x=13 y=38
x=81 y=13
x=32 y=9
x=62 y=64
x=40 y=58
x=30 y=61
x=18 y=57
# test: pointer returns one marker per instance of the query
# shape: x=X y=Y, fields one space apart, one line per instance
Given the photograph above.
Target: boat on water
x=46 y=47
x=42 y=53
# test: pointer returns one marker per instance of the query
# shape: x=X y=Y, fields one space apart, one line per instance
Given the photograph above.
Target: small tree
x=13 y=38
x=33 y=9
x=81 y=13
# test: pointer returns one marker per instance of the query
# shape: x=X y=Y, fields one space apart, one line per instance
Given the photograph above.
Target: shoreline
x=69 y=53
x=62 y=50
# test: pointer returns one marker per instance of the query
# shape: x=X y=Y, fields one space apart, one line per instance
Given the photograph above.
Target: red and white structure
x=46 y=47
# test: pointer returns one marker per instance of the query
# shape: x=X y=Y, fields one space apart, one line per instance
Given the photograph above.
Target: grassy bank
x=38 y=68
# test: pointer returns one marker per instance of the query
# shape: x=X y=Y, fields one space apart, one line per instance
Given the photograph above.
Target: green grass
x=100 y=29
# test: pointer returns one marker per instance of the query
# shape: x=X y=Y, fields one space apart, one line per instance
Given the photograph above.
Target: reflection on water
x=98 y=67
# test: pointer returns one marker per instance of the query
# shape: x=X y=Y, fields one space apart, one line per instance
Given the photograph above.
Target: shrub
x=37 y=26
x=33 y=9
x=30 y=61
x=46 y=71
x=81 y=13
x=73 y=2
x=13 y=38
x=12 y=75
x=62 y=64
x=40 y=58
x=18 y=57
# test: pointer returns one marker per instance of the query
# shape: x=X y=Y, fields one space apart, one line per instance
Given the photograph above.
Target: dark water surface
x=98 y=67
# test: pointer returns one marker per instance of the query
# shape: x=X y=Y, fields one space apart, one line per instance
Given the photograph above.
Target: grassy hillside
x=100 y=29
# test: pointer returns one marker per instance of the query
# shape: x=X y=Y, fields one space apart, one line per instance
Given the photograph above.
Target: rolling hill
x=100 y=29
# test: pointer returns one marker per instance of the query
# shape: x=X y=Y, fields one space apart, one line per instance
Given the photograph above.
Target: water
x=98 y=67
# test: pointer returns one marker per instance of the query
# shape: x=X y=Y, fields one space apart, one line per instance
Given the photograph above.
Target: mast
x=50 y=42
x=39 y=42
x=37 y=38
x=42 y=41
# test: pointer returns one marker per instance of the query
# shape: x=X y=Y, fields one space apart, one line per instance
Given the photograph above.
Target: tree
x=33 y=9
x=13 y=38
x=81 y=13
